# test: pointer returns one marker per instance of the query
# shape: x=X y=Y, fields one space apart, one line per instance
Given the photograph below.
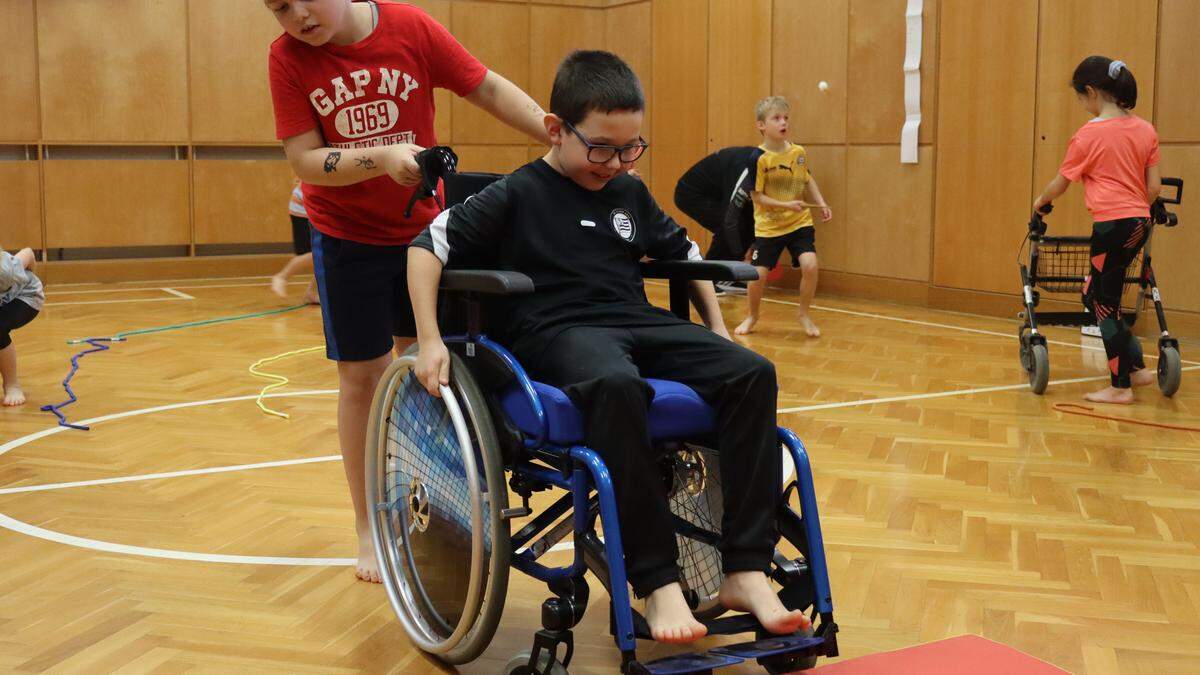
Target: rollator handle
x=1176 y=183
x=1037 y=226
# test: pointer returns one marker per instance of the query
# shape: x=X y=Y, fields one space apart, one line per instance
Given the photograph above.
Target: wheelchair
x=438 y=475
x=1062 y=264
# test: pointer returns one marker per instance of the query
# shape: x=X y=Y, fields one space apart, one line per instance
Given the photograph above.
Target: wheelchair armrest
x=486 y=281
x=711 y=270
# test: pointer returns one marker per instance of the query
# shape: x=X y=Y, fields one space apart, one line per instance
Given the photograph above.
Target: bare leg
x=751 y=592
x=754 y=293
x=670 y=618
x=8 y=370
x=357 y=381
x=293 y=267
x=808 y=289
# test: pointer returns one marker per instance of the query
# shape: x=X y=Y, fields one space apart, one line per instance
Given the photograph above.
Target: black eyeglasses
x=603 y=154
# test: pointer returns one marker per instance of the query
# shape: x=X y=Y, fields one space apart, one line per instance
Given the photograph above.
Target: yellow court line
x=279 y=380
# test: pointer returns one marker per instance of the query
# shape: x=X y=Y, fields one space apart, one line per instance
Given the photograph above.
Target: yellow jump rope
x=278 y=380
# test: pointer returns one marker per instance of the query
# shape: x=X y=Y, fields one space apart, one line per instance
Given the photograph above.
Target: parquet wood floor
x=983 y=511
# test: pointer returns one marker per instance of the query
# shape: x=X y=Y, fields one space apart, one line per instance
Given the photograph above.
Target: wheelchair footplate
x=777 y=648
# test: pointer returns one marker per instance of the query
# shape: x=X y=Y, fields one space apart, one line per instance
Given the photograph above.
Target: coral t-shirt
x=1111 y=157
x=375 y=92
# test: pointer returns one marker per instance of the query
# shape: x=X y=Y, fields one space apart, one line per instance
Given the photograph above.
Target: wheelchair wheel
x=519 y=665
x=1039 y=374
x=695 y=497
x=1170 y=370
x=435 y=480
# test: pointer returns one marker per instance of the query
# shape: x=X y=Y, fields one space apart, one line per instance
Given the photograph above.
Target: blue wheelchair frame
x=579 y=471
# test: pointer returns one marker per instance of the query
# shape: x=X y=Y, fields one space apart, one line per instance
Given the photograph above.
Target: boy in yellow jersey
x=781 y=215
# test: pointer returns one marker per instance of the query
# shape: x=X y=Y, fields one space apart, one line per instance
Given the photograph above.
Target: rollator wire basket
x=1062 y=265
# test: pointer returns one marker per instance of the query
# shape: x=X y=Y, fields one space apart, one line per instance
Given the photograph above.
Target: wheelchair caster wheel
x=1170 y=370
x=519 y=665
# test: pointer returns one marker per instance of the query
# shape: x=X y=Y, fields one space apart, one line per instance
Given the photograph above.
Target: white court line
x=931 y=324
x=18 y=442
x=169 y=474
x=942 y=394
x=174 y=292
x=111 y=302
x=101 y=291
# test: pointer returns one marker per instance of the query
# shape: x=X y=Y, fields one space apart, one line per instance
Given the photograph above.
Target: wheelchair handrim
x=404 y=600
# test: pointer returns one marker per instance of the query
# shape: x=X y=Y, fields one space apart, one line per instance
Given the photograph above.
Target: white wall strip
x=912 y=82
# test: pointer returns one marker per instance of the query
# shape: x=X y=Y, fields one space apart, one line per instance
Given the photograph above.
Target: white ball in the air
x=823 y=85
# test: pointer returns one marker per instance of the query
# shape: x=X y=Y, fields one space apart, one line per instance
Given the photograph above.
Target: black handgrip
x=1176 y=183
x=1037 y=226
x=435 y=164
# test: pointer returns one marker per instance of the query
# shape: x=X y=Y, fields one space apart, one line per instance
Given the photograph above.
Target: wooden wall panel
x=116 y=203
x=1124 y=29
x=1178 y=115
x=984 y=155
x=230 y=97
x=628 y=35
x=241 y=201
x=114 y=71
x=890 y=219
x=498 y=35
x=19 y=86
x=875 y=71
x=739 y=72
x=679 y=126
x=834 y=240
x=808 y=44
x=557 y=31
x=442 y=98
x=1175 y=248
x=21 y=214
x=492 y=158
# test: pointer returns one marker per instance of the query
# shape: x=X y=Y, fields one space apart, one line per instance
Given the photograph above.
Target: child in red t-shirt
x=1116 y=157
x=352 y=84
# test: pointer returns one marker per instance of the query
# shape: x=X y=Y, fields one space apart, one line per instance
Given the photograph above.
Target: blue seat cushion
x=677 y=412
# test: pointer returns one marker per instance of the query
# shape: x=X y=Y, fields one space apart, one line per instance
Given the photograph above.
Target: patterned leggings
x=1115 y=243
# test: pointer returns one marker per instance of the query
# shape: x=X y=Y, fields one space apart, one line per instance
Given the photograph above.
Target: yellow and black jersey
x=781 y=176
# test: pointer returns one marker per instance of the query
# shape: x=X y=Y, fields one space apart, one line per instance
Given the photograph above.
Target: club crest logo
x=623 y=224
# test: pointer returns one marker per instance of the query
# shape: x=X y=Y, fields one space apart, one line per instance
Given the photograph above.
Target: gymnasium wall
x=133 y=124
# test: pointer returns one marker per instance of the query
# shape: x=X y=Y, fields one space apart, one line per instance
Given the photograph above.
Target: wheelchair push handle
x=435 y=164
x=1037 y=224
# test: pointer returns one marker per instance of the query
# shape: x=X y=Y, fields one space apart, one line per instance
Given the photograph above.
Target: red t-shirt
x=377 y=91
x=1111 y=157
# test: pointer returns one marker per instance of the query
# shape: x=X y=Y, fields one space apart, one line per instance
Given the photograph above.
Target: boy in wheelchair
x=578 y=227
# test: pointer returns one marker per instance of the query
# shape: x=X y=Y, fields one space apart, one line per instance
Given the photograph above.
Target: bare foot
x=1143 y=377
x=14 y=396
x=311 y=297
x=367 y=568
x=670 y=618
x=279 y=285
x=1111 y=395
x=810 y=328
x=751 y=592
x=746 y=327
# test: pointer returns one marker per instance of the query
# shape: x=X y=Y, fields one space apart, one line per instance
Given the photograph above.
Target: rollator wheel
x=519 y=665
x=1170 y=370
x=435 y=481
x=1026 y=356
x=1039 y=374
x=695 y=497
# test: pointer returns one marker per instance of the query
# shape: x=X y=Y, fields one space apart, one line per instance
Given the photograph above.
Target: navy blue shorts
x=364 y=296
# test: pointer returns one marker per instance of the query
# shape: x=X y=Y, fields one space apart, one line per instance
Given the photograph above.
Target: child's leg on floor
x=808 y=289
x=754 y=293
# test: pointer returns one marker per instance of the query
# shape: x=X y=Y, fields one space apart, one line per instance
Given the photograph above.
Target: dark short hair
x=590 y=80
x=1094 y=72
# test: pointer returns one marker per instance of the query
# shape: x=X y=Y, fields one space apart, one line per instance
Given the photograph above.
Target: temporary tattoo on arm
x=365 y=162
x=331 y=161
